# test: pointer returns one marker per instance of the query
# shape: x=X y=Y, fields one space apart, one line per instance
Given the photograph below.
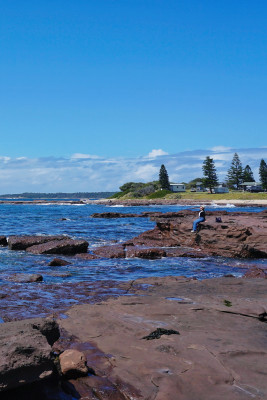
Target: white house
x=177 y=187
x=200 y=187
x=220 y=189
x=251 y=186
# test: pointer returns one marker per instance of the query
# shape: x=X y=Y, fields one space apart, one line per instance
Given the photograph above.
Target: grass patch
x=118 y=195
x=223 y=196
x=159 y=194
x=204 y=196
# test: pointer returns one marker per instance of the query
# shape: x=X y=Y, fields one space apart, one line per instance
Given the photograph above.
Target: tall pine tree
x=263 y=174
x=248 y=174
x=209 y=171
x=164 y=178
x=235 y=173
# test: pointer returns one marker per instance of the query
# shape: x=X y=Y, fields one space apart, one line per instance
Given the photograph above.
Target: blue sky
x=117 y=79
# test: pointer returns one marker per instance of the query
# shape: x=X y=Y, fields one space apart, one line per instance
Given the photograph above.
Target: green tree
x=248 y=174
x=263 y=174
x=235 y=173
x=193 y=182
x=164 y=178
x=127 y=186
x=209 y=171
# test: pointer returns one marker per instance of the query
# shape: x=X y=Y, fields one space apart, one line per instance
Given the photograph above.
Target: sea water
x=88 y=280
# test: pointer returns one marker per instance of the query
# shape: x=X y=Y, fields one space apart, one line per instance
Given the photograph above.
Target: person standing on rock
x=201 y=218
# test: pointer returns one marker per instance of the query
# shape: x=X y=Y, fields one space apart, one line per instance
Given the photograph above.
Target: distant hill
x=78 y=195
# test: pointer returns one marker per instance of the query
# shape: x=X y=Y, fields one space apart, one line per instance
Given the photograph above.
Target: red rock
x=256 y=273
x=60 y=274
x=73 y=363
x=184 y=252
x=67 y=246
x=57 y=262
x=22 y=242
x=86 y=256
x=27 y=278
x=219 y=354
x=110 y=215
x=115 y=251
x=150 y=254
x=25 y=352
x=239 y=235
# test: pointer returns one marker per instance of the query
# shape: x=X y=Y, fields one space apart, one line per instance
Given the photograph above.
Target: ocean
x=88 y=280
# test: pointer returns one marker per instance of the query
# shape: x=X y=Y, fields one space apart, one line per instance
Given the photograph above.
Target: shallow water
x=87 y=280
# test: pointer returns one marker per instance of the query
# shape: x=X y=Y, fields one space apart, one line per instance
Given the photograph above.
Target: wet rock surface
x=59 y=244
x=151 y=254
x=114 y=251
x=26 y=278
x=25 y=352
x=73 y=363
x=66 y=246
x=256 y=272
x=241 y=235
x=238 y=235
x=58 y=262
x=23 y=242
x=116 y=215
x=210 y=344
x=86 y=256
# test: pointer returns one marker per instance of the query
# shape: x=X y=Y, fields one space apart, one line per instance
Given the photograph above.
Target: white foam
x=228 y=205
x=59 y=204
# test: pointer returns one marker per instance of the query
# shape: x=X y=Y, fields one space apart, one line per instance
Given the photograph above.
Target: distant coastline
x=238 y=199
x=59 y=195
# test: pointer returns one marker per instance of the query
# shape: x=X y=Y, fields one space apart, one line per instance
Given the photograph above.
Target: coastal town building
x=200 y=187
x=221 y=189
x=251 y=186
x=177 y=187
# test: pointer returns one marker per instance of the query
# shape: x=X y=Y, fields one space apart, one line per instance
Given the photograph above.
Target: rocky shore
x=169 y=338
x=142 y=202
x=207 y=201
x=165 y=338
x=242 y=235
x=176 y=338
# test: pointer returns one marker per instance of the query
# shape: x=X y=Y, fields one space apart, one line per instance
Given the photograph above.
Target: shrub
x=118 y=195
x=159 y=194
x=144 y=191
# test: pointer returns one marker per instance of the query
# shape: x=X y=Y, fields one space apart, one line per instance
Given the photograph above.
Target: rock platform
x=25 y=352
x=238 y=235
x=207 y=341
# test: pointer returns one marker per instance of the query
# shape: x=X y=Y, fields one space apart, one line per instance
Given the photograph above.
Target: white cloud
x=187 y=166
x=222 y=157
x=155 y=153
x=146 y=172
x=81 y=156
x=220 y=148
x=4 y=159
x=94 y=173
